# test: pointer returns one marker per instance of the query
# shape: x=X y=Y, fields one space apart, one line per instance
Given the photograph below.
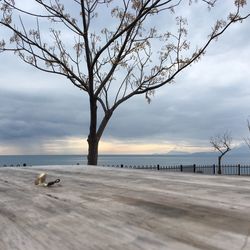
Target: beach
x=112 y=208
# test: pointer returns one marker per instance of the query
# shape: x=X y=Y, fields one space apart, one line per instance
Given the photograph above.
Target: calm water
x=133 y=160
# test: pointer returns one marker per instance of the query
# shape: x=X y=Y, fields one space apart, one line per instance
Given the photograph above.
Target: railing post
x=181 y=168
x=121 y=165
x=214 y=169
x=158 y=167
x=194 y=168
x=238 y=169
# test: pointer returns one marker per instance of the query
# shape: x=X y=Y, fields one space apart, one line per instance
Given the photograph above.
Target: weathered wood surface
x=101 y=208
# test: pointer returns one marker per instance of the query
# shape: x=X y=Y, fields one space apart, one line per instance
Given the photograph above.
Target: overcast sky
x=45 y=114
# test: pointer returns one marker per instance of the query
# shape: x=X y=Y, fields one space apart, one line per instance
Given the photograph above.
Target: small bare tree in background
x=221 y=143
x=247 y=140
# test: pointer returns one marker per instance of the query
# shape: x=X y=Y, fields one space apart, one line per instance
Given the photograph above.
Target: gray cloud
x=32 y=116
x=209 y=98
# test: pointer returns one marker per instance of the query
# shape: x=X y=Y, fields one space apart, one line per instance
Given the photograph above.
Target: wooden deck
x=96 y=208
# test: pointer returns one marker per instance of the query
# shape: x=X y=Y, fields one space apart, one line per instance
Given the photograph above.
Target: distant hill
x=241 y=150
x=173 y=152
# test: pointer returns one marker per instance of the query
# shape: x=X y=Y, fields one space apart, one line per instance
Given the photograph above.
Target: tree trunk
x=219 y=164
x=93 y=139
x=93 y=150
x=94 y=134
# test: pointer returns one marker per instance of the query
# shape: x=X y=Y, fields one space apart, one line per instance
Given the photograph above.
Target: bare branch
x=247 y=140
x=222 y=143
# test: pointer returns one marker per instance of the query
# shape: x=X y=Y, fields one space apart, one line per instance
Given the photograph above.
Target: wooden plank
x=106 y=208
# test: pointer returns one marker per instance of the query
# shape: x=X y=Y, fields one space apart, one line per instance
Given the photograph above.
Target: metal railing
x=201 y=169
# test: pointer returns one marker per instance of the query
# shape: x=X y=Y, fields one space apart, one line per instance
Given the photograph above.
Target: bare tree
x=112 y=61
x=247 y=140
x=221 y=143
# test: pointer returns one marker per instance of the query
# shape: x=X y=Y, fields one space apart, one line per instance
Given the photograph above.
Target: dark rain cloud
x=31 y=116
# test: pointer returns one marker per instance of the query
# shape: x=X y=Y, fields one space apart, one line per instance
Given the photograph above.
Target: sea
x=201 y=159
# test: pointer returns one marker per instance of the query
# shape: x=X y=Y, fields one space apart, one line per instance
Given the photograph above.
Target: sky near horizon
x=42 y=113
